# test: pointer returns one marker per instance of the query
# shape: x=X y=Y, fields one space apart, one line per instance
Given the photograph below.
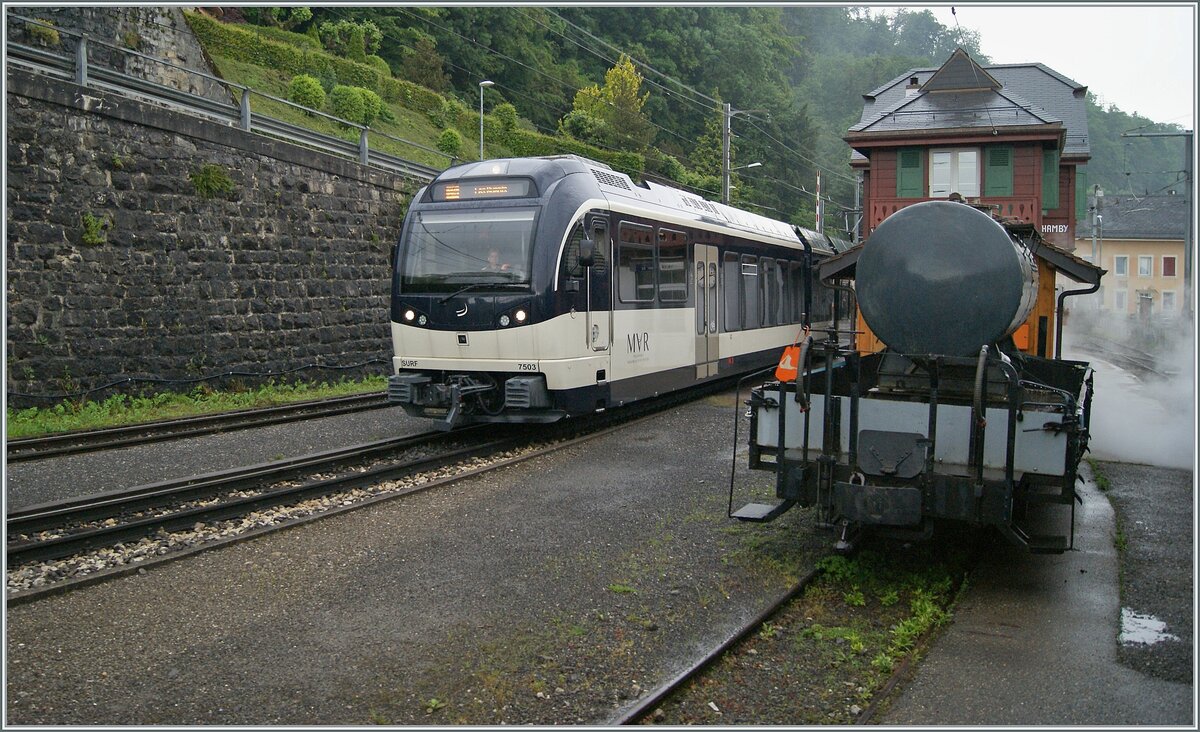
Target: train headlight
x=521 y=316
x=409 y=315
x=422 y=320
x=504 y=321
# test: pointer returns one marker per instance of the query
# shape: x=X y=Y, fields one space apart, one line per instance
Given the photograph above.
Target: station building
x=1008 y=139
x=1140 y=241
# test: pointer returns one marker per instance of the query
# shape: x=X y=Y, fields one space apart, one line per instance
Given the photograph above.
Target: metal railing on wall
x=65 y=54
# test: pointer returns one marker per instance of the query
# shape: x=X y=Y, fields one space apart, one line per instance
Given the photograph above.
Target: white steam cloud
x=1149 y=420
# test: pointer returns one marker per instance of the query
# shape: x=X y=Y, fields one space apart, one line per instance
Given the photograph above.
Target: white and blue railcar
x=530 y=289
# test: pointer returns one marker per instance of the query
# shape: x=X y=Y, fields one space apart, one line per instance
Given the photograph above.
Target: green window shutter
x=998 y=173
x=910 y=173
x=1050 y=180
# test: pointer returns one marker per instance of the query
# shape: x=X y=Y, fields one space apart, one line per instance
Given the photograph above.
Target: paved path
x=1034 y=641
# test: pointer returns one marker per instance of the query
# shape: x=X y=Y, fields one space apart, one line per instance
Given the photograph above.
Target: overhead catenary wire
x=687 y=96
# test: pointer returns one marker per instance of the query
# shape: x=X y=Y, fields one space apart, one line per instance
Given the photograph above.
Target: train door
x=599 y=287
x=705 y=269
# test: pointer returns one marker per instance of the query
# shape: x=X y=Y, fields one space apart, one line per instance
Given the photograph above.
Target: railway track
x=147 y=520
x=645 y=707
x=69 y=443
x=1140 y=363
x=687 y=682
x=60 y=529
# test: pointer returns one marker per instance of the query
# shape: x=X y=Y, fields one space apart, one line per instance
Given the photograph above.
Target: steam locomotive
x=951 y=422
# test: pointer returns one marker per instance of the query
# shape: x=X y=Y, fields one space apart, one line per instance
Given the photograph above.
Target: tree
x=613 y=112
x=422 y=65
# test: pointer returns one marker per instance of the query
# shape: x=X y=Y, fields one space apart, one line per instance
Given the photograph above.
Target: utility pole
x=858 y=184
x=728 y=114
x=1188 y=236
x=725 y=153
x=820 y=208
x=1097 y=201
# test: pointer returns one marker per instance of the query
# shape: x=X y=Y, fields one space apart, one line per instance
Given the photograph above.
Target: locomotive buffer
x=951 y=422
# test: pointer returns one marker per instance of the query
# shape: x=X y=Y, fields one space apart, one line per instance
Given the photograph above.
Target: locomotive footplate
x=877 y=505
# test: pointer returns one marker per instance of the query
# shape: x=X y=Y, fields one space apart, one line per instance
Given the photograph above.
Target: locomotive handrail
x=978 y=421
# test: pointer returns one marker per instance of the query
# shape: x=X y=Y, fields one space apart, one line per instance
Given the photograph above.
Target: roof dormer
x=961 y=73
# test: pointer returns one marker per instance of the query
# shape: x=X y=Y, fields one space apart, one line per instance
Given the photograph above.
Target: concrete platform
x=1035 y=641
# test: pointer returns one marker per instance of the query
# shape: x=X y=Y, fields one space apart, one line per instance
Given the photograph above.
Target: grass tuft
x=122 y=409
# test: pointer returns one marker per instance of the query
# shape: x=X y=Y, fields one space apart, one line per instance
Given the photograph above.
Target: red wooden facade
x=1025 y=204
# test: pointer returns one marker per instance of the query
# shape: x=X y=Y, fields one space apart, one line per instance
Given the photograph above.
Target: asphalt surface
x=1034 y=641
x=551 y=591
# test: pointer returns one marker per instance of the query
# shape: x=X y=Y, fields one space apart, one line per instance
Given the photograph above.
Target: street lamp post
x=728 y=185
x=482 y=84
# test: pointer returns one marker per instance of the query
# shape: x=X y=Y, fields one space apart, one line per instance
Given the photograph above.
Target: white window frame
x=1121 y=265
x=946 y=173
x=1148 y=269
x=1168 y=295
x=1121 y=300
x=1174 y=263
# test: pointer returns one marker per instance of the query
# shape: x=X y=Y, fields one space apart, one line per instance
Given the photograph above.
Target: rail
x=84 y=71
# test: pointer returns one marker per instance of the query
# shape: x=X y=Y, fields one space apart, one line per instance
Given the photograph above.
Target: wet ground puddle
x=1143 y=629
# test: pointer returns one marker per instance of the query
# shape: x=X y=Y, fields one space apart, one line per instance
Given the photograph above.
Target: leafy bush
x=583 y=126
x=666 y=165
x=379 y=63
x=41 y=35
x=353 y=40
x=306 y=91
x=450 y=142
x=357 y=104
x=94 y=229
x=302 y=41
x=347 y=102
x=506 y=115
x=423 y=65
x=373 y=107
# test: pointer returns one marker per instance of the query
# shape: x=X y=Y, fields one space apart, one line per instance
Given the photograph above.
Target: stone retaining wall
x=118 y=264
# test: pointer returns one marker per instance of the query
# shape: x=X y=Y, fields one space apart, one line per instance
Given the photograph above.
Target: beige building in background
x=1141 y=243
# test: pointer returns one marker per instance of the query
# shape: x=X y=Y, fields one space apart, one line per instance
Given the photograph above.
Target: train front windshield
x=447 y=250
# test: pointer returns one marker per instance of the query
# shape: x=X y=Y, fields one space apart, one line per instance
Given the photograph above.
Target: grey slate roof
x=1144 y=217
x=1031 y=94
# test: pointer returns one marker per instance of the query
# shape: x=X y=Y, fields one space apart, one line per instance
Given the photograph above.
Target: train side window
x=768 y=294
x=570 y=260
x=822 y=303
x=796 y=288
x=635 y=264
x=672 y=266
x=772 y=283
x=731 y=292
x=750 y=292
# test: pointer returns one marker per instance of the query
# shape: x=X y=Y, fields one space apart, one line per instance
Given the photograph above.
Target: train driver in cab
x=494 y=263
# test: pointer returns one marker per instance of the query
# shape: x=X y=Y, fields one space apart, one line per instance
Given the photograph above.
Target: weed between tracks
x=615 y=622
x=821 y=660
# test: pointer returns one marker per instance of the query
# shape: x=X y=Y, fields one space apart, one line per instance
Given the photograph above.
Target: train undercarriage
x=471 y=397
x=896 y=443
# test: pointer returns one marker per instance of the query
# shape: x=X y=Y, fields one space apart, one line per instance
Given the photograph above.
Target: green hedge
x=239 y=44
x=244 y=45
